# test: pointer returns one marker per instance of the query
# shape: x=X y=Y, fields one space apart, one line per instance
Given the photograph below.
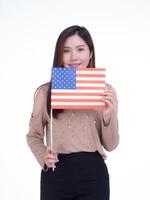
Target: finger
x=112 y=96
x=51 y=150
x=111 y=105
x=52 y=157
x=51 y=163
x=108 y=102
x=111 y=90
x=111 y=99
x=111 y=93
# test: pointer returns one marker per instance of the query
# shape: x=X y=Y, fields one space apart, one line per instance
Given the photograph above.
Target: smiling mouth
x=76 y=65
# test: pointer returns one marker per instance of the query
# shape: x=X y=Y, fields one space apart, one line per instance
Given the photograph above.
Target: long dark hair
x=58 y=55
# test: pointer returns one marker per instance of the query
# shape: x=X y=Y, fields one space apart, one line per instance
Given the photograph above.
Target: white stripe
x=91 y=84
x=76 y=97
x=91 y=78
x=90 y=72
x=76 y=91
x=77 y=103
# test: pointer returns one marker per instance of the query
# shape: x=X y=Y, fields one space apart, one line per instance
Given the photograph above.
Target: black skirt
x=77 y=176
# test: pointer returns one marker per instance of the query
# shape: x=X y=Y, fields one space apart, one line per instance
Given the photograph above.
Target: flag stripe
x=89 y=75
x=90 y=84
x=91 y=81
x=88 y=88
x=91 y=69
x=54 y=91
x=79 y=103
x=54 y=98
x=78 y=107
x=91 y=78
x=89 y=72
x=77 y=100
x=77 y=94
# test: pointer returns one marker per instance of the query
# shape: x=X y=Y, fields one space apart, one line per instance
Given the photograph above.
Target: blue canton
x=63 y=78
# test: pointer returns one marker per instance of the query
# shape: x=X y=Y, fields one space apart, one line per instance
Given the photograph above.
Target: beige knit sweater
x=73 y=131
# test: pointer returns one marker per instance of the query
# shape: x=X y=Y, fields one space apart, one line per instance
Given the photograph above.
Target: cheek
x=86 y=57
x=65 y=58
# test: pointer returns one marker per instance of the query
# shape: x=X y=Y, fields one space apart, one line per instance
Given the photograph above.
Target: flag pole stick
x=51 y=137
x=51 y=133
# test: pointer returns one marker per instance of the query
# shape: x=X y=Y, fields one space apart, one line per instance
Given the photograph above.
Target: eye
x=81 y=49
x=66 y=50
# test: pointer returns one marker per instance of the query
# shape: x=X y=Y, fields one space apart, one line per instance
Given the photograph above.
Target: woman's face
x=76 y=52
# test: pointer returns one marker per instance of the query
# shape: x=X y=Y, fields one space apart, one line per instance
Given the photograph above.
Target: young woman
x=79 y=136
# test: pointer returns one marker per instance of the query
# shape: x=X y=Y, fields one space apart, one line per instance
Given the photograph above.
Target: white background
x=121 y=33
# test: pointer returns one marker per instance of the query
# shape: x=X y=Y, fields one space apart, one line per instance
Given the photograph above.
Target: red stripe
x=89 y=88
x=76 y=100
x=78 y=107
x=90 y=75
x=91 y=69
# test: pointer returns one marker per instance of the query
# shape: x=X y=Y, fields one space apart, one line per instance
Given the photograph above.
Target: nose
x=74 y=55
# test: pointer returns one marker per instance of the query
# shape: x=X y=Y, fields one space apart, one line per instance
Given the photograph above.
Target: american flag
x=77 y=88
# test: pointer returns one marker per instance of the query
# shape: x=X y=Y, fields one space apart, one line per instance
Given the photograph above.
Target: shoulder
x=43 y=87
x=40 y=94
x=40 y=98
x=42 y=90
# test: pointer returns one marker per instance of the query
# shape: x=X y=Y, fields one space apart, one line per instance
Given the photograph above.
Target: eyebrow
x=76 y=46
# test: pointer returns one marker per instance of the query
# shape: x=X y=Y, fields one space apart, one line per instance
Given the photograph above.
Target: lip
x=76 y=65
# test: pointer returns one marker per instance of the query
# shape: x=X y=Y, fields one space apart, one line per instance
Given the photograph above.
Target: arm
x=109 y=122
x=35 y=136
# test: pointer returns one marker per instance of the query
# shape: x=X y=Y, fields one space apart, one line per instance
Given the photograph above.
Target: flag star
x=63 y=78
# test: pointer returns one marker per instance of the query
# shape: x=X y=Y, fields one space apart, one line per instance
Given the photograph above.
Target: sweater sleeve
x=35 y=135
x=109 y=133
